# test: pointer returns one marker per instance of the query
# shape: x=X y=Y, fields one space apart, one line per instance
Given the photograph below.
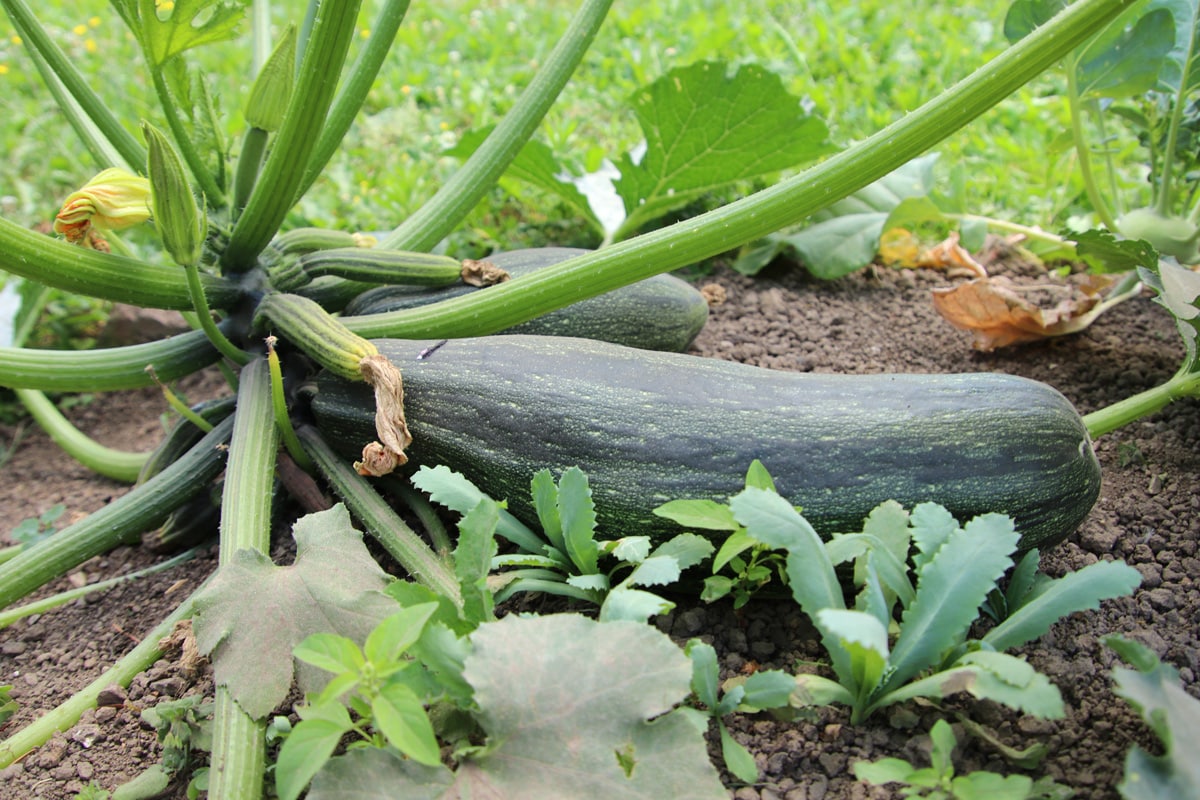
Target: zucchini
x=650 y=427
x=659 y=313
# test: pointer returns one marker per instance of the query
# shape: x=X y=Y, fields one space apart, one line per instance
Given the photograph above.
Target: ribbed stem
x=239 y=750
x=140 y=509
x=105 y=369
x=275 y=191
x=214 y=194
x=450 y=206
x=743 y=221
x=116 y=464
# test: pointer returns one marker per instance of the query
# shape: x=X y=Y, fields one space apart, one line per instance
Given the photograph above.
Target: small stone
x=63 y=772
x=169 y=687
x=111 y=695
x=12 y=648
x=746 y=793
x=689 y=623
x=1161 y=599
x=85 y=770
x=87 y=735
x=106 y=714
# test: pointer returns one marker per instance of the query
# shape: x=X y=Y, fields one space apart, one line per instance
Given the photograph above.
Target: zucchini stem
x=1184 y=383
x=116 y=464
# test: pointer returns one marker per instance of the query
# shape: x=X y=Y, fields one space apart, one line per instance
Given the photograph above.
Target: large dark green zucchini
x=659 y=313
x=650 y=427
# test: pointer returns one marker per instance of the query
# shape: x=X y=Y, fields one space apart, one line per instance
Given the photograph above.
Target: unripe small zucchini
x=659 y=313
x=649 y=427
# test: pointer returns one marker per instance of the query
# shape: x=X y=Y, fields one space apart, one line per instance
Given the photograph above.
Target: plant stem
x=9 y=616
x=750 y=218
x=381 y=521
x=207 y=324
x=10 y=552
x=1162 y=203
x=1105 y=420
x=214 y=195
x=67 y=714
x=141 y=508
x=33 y=33
x=446 y=209
x=105 y=369
x=116 y=464
x=275 y=191
x=103 y=275
x=283 y=420
x=239 y=747
x=1085 y=154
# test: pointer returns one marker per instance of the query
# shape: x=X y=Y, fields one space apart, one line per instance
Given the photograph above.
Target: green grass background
x=458 y=65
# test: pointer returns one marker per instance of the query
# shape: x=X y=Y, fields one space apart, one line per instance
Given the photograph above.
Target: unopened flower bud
x=112 y=200
x=181 y=223
x=272 y=90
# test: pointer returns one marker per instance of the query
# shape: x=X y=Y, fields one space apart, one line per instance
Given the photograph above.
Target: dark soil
x=874 y=321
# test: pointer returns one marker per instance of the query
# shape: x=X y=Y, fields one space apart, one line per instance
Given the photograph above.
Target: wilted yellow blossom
x=112 y=200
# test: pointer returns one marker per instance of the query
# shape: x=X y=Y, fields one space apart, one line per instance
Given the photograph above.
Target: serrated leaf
x=535 y=678
x=473 y=558
x=188 y=24
x=950 y=590
x=931 y=527
x=453 y=490
x=1022 y=581
x=371 y=773
x=706 y=673
x=1106 y=253
x=707 y=515
x=655 y=571
x=706 y=128
x=544 y=494
x=632 y=605
x=1178 y=291
x=687 y=549
x=401 y=717
x=864 y=638
x=253 y=613
x=632 y=549
x=578 y=515
x=1013 y=682
x=1080 y=590
x=593 y=582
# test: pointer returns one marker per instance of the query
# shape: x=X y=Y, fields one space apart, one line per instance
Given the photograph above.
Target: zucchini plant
x=226 y=260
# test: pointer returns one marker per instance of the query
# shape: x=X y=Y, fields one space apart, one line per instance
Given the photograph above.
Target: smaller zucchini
x=660 y=313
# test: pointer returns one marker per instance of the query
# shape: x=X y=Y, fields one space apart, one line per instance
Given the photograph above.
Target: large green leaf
x=1179 y=293
x=373 y=774
x=560 y=696
x=950 y=590
x=188 y=24
x=253 y=614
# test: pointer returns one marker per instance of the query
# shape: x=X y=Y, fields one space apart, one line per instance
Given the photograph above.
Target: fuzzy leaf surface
x=565 y=703
x=253 y=613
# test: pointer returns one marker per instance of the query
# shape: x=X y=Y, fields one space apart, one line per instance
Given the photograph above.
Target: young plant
x=568 y=560
x=939 y=782
x=34 y=529
x=749 y=694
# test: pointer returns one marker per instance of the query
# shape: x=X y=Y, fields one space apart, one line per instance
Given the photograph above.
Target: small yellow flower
x=3 y=69
x=79 y=30
x=89 y=44
x=17 y=40
x=112 y=200
x=94 y=22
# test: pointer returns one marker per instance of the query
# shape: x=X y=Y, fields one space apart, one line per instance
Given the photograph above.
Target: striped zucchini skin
x=659 y=313
x=649 y=427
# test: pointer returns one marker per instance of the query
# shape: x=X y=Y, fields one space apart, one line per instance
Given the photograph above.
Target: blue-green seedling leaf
x=736 y=757
x=768 y=688
x=1178 y=291
x=473 y=559
x=593 y=582
x=371 y=773
x=706 y=674
x=631 y=549
x=632 y=605
x=452 y=490
x=845 y=236
x=950 y=590
x=655 y=571
x=770 y=519
x=706 y=515
x=1013 y=682
x=983 y=785
x=817 y=690
x=885 y=770
x=1174 y=716
x=309 y=745
x=544 y=493
x=1076 y=591
x=706 y=128
x=536 y=679
x=578 y=515
x=931 y=527
x=687 y=549
x=400 y=715
x=864 y=639
x=252 y=614
x=190 y=23
x=1021 y=582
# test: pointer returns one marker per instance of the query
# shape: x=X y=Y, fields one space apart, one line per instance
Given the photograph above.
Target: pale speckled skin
x=650 y=427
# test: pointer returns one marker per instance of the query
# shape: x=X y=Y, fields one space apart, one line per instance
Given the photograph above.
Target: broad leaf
x=370 y=773
x=400 y=715
x=771 y=519
x=707 y=515
x=396 y=634
x=1126 y=58
x=1106 y=253
x=706 y=672
x=1076 y=591
x=1013 y=682
x=1179 y=293
x=309 y=745
x=537 y=680
x=189 y=23
x=736 y=757
x=686 y=548
x=453 y=490
x=330 y=652
x=734 y=545
x=950 y=590
x=632 y=549
x=655 y=571
x=632 y=605
x=864 y=638
x=768 y=688
x=705 y=129
x=253 y=613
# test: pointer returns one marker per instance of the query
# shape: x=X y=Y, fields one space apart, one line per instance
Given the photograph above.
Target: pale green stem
x=213 y=193
x=261 y=28
x=116 y=464
x=34 y=34
x=121 y=673
x=9 y=616
x=1163 y=202
x=1026 y=231
x=239 y=744
x=207 y=324
x=446 y=209
x=10 y=552
x=1084 y=153
x=750 y=218
x=141 y=508
x=283 y=420
x=275 y=191
x=105 y=369
x=1105 y=420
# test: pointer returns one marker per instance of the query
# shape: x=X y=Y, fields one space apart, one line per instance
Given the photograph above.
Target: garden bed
x=873 y=321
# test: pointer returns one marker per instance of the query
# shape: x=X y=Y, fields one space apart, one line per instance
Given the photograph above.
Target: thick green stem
x=33 y=33
x=207 y=323
x=743 y=221
x=140 y=509
x=1131 y=409
x=103 y=275
x=105 y=369
x=64 y=716
x=254 y=146
x=275 y=191
x=446 y=209
x=239 y=747
x=380 y=520
x=116 y=464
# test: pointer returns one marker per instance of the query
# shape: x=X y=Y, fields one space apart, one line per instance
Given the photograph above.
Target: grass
x=458 y=65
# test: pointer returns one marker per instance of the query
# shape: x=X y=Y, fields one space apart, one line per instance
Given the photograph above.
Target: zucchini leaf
x=1054 y=599
x=950 y=590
